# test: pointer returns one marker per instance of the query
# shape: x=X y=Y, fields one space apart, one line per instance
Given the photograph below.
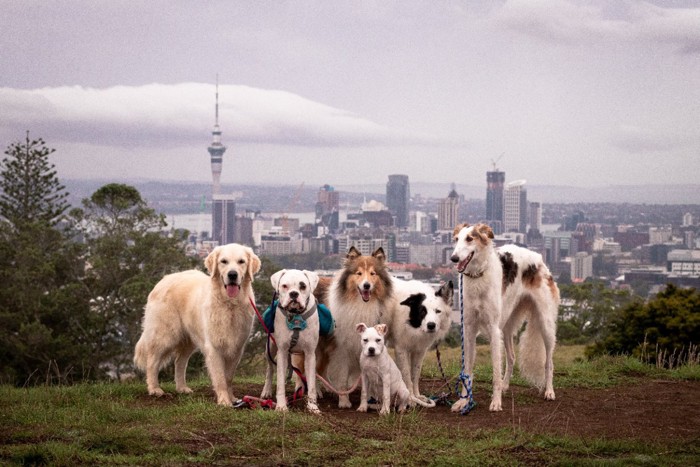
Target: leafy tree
x=128 y=254
x=667 y=325
x=40 y=297
x=586 y=310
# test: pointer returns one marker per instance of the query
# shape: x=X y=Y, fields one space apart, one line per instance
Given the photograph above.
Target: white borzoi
x=503 y=288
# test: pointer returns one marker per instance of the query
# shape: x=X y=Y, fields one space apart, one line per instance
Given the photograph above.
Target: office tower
x=224 y=219
x=328 y=207
x=398 y=197
x=535 y=216
x=494 y=199
x=448 y=209
x=515 y=207
x=216 y=150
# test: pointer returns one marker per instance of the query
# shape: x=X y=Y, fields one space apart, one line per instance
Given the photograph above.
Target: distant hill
x=639 y=194
x=186 y=197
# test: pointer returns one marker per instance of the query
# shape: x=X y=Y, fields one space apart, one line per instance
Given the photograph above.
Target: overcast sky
x=559 y=92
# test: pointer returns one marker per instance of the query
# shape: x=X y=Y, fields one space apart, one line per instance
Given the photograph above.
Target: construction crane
x=494 y=162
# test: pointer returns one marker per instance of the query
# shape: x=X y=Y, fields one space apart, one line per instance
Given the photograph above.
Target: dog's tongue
x=232 y=290
x=365 y=295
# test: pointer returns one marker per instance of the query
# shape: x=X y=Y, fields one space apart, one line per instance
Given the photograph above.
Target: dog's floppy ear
x=485 y=230
x=253 y=263
x=416 y=298
x=381 y=329
x=313 y=279
x=353 y=254
x=458 y=228
x=360 y=328
x=379 y=254
x=446 y=292
x=210 y=261
x=275 y=278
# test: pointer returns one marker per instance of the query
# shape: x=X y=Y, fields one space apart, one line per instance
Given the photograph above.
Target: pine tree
x=29 y=188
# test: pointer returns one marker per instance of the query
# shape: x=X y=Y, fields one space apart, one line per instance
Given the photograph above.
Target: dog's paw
x=185 y=390
x=549 y=395
x=281 y=408
x=313 y=408
x=384 y=411
x=459 y=405
x=266 y=394
x=158 y=392
x=495 y=406
x=344 y=402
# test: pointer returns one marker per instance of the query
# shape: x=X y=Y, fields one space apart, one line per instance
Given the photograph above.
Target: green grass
x=117 y=424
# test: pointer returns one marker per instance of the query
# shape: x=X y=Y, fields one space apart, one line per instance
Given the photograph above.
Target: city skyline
x=582 y=93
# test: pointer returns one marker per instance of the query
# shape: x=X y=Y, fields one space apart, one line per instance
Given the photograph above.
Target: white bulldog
x=296 y=331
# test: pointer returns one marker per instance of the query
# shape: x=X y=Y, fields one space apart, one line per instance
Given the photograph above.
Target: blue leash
x=464 y=378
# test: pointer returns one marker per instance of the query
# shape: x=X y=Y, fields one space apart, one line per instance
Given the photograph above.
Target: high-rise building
x=398 y=196
x=515 y=207
x=448 y=211
x=224 y=219
x=535 y=216
x=216 y=149
x=328 y=207
x=495 y=181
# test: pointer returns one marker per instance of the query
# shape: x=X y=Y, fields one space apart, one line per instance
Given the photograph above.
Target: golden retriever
x=189 y=311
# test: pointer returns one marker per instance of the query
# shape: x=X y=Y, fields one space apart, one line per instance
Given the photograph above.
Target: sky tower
x=216 y=149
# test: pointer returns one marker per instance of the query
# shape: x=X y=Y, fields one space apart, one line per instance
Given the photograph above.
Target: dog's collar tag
x=296 y=322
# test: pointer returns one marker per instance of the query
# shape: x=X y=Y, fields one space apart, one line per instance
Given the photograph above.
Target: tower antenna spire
x=217 y=101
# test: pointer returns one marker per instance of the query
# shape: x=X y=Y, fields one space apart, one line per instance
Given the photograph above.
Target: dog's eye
x=358 y=273
x=469 y=238
x=241 y=261
x=302 y=286
x=365 y=340
x=378 y=341
x=438 y=311
x=373 y=273
x=284 y=287
x=224 y=261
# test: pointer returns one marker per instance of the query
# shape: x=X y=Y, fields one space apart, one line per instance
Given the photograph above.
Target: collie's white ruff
x=503 y=288
x=421 y=319
x=189 y=311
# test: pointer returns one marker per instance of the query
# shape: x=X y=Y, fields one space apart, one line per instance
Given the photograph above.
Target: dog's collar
x=297 y=321
x=472 y=275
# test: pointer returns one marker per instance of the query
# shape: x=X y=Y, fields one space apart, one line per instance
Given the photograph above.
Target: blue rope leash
x=464 y=378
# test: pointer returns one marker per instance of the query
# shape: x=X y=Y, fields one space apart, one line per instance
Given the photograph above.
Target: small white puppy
x=296 y=330
x=381 y=378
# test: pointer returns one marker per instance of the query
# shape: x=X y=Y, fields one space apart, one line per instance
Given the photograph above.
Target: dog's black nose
x=370 y=350
x=454 y=258
x=293 y=294
x=431 y=326
x=366 y=286
x=232 y=277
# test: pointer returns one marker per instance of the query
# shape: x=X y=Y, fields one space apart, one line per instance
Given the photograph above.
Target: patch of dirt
x=653 y=410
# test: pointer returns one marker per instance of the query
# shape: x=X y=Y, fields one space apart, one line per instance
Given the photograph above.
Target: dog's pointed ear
x=458 y=228
x=381 y=329
x=210 y=261
x=253 y=263
x=379 y=254
x=353 y=254
x=313 y=279
x=360 y=328
x=446 y=292
x=275 y=278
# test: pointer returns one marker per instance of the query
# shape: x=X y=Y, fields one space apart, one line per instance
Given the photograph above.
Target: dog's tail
x=532 y=352
x=140 y=356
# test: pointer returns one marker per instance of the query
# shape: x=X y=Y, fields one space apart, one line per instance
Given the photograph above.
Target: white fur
x=499 y=313
x=189 y=311
x=381 y=378
x=411 y=343
x=295 y=290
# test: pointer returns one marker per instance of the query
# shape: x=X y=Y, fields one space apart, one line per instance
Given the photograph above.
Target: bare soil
x=653 y=410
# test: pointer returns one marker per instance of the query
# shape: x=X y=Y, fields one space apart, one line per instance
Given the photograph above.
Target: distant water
x=202 y=221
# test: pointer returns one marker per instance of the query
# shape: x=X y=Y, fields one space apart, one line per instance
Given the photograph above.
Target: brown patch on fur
x=510 y=270
x=457 y=229
x=553 y=289
x=532 y=277
x=483 y=232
